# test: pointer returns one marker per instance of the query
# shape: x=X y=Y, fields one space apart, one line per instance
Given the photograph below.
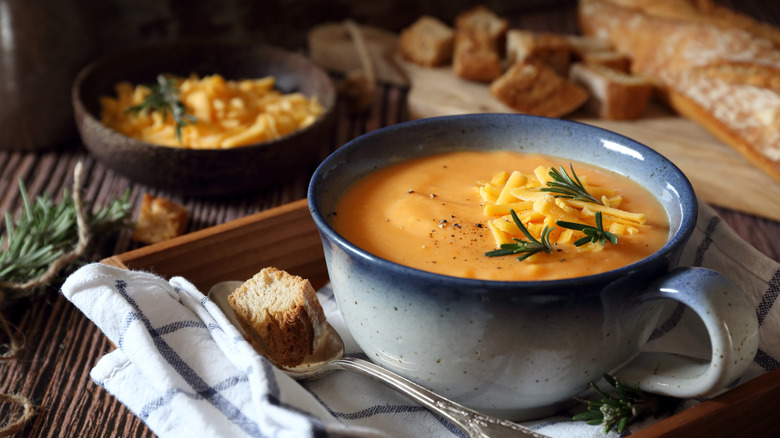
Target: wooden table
x=61 y=345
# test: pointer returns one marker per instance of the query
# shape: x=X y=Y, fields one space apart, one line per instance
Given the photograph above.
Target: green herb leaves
x=630 y=406
x=526 y=248
x=533 y=246
x=592 y=234
x=47 y=231
x=566 y=186
x=164 y=98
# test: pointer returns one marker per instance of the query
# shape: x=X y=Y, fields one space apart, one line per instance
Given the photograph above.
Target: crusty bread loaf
x=614 y=95
x=427 y=42
x=281 y=316
x=159 y=219
x=715 y=66
x=535 y=88
x=549 y=48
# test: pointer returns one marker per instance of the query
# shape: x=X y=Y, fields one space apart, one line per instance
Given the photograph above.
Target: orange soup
x=430 y=213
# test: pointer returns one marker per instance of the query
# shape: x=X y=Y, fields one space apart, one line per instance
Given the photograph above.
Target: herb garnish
x=47 y=233
x=164 y=98
x=632 y=405
x=568 y=187
x=526 y=248
x=592 y=234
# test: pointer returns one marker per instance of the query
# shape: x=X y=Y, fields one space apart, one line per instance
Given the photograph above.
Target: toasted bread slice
x=427 y=42
x=614 y=95
x=475 y=57
x=483 y=20
x=549 y=48
x=159 y=219
x=281 y=316
x=535 y=88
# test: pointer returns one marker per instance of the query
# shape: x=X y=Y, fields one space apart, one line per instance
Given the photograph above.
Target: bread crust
x=714 y=66
x=614 y=95
x=550 y=48
x=281 y=316
x=480 y=38
x=483 y=20
x=159 y=219
x=475 y=57
x=427 y=42
x=535 y=88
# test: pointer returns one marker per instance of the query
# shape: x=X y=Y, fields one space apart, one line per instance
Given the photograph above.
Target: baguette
x=712 y=65
x=281 y=316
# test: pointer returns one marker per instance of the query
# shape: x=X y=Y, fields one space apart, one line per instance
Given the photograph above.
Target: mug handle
x=732 y=325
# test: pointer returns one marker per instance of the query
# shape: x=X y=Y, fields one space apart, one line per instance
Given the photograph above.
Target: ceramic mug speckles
x=522 y=349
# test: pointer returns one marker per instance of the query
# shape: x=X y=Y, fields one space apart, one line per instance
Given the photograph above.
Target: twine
x=65 y=259
x=18 y=424
x=16 y=342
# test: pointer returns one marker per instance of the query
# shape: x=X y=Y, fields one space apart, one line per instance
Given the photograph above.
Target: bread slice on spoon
x=280 y=316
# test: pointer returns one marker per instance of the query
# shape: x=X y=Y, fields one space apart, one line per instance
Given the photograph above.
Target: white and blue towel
x=184 y=370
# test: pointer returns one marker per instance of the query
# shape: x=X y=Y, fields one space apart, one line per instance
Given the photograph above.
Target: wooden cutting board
x=719 y=174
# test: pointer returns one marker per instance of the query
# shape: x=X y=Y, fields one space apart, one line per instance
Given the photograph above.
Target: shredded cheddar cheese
x=229 y=113
x=537 y=209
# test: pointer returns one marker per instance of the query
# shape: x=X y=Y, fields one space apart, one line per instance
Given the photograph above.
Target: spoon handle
x=475 y=424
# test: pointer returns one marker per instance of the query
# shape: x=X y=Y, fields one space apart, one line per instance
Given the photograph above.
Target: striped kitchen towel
x=184 y=370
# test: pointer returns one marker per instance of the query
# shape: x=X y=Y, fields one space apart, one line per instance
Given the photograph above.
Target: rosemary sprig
x=592 y=234
x=525 y=248
x=630 y=406
x=164 y=98
x=45 y=231
x=568 y=186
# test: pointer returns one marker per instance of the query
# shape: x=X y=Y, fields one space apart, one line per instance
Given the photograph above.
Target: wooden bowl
x=204 y=172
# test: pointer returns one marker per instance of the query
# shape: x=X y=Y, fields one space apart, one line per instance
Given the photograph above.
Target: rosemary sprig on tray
x=46 y=231
x=630 y=406
x=164 y=98
x=592 y=234
x=568 y=186
x=525 y=248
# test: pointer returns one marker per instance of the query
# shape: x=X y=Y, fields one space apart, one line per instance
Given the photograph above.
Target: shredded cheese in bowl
x=228 y=113
x=536 y=209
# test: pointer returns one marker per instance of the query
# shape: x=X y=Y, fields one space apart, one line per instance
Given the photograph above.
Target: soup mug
x=523 y=349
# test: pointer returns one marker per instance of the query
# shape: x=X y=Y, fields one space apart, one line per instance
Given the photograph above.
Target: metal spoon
x=330 y=356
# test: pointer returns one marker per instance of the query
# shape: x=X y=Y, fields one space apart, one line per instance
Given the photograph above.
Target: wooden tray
x=285 y=237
